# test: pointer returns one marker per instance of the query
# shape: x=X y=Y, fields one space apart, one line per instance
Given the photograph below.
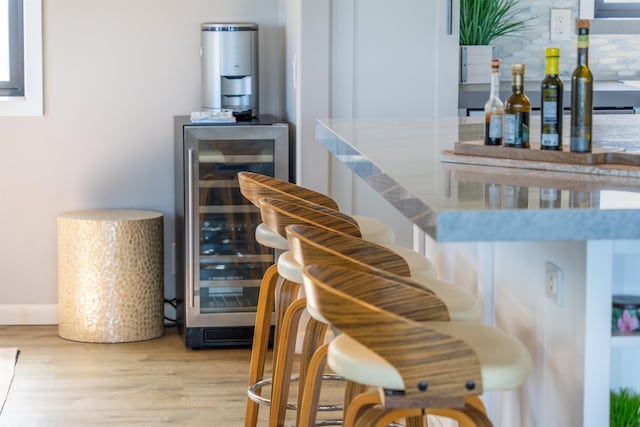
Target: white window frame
x=616 y=9
x=31 y=103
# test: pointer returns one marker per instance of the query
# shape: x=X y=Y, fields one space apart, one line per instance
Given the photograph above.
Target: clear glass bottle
x=516 y=112
x=494 y=108
x=582 y=94
x=551 y=104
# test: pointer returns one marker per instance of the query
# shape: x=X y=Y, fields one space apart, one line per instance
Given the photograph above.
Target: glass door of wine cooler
x=223 y=262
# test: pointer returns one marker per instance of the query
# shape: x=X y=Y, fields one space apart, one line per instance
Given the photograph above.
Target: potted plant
x=481 y=21
x=624 y=408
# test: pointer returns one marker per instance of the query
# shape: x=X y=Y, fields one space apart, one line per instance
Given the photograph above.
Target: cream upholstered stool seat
x=110 y=275
x=269 y=238
x=424 y=365
x=255 y=186
x=504 y=362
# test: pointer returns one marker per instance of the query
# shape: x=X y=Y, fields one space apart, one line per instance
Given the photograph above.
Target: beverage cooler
x=219 y=264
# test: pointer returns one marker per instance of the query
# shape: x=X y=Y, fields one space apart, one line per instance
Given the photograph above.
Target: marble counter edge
x=467 y=225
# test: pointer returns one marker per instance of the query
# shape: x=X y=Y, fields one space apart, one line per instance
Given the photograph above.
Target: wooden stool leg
x=284 y=363
x=416 y=421
x=351 y=390
x=261 y=339
x=469 y=416
x=310 y=395
x=378 y=416
x=358 y=405
x=285 y=295
x=314 y=336
x=476 y=402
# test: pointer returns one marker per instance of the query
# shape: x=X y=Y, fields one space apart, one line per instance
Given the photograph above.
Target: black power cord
x=174 y=304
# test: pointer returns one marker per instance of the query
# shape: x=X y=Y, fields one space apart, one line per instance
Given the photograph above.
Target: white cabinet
x=576 y=358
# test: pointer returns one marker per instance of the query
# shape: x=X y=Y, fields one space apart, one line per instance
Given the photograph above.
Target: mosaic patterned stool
x=110 y=275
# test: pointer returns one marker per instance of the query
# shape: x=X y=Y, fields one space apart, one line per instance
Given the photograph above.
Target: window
x=21 y=58
x=12 y=48
x=616 y=9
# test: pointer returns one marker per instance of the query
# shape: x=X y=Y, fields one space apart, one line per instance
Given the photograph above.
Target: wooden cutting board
x=535 y=154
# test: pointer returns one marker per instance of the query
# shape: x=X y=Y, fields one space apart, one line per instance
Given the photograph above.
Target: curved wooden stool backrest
x=279 y=213
x=255 y=186
x=381 y=322
x=313 y=245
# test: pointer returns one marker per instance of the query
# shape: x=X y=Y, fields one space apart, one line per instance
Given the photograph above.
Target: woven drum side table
x=110 y=275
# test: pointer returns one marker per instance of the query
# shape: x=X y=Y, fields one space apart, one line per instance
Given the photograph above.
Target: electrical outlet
x=554 y=283
x=560 y=24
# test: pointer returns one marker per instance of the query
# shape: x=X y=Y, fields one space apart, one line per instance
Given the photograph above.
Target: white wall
x=116 y=72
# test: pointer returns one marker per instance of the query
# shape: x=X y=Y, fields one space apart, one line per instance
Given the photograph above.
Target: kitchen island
x=544 y=250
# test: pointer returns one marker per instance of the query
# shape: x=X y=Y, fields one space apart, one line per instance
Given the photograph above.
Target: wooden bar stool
x=285 y=314
x=310 y=245
x=275 y=213
x=279 y=215
x=283 y=280
x=255 y=186
x=420 y=366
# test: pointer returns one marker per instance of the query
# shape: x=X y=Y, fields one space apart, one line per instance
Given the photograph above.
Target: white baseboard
x=28 y=314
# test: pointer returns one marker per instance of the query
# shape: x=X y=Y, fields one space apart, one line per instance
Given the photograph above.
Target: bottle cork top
x=553 y=52
x=495 y=64
x=517 y=68
x=583 y=23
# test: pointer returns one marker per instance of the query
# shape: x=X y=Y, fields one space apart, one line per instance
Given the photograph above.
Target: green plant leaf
x=624 y=408
x=481 y=21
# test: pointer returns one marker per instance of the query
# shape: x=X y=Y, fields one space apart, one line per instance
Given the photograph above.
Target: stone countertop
x=401 y=160
x=606 y=94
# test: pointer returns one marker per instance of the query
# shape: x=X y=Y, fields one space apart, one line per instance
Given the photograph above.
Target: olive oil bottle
x=581 y=94
x=551 y=104
x=516 y=112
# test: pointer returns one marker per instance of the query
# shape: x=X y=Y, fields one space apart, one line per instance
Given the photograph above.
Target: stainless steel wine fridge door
x=223 y=263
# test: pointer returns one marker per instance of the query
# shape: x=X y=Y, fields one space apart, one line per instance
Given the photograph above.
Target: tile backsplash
x=611 y=57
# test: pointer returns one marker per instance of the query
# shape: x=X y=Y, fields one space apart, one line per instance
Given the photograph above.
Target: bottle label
x=583 y=40
x=516 y=130
x=495 y=126
x=550 y=108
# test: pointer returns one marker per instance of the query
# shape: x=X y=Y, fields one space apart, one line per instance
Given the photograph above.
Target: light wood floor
x=151 y=383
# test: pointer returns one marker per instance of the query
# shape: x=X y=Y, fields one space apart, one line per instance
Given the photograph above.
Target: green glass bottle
x=551 y=103
x=582 y=94
x=516 y=112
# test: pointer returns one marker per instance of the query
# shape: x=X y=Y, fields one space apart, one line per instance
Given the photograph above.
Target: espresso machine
x=229 y=68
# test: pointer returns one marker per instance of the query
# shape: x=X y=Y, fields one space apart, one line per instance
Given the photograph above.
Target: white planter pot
x=475 y=63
